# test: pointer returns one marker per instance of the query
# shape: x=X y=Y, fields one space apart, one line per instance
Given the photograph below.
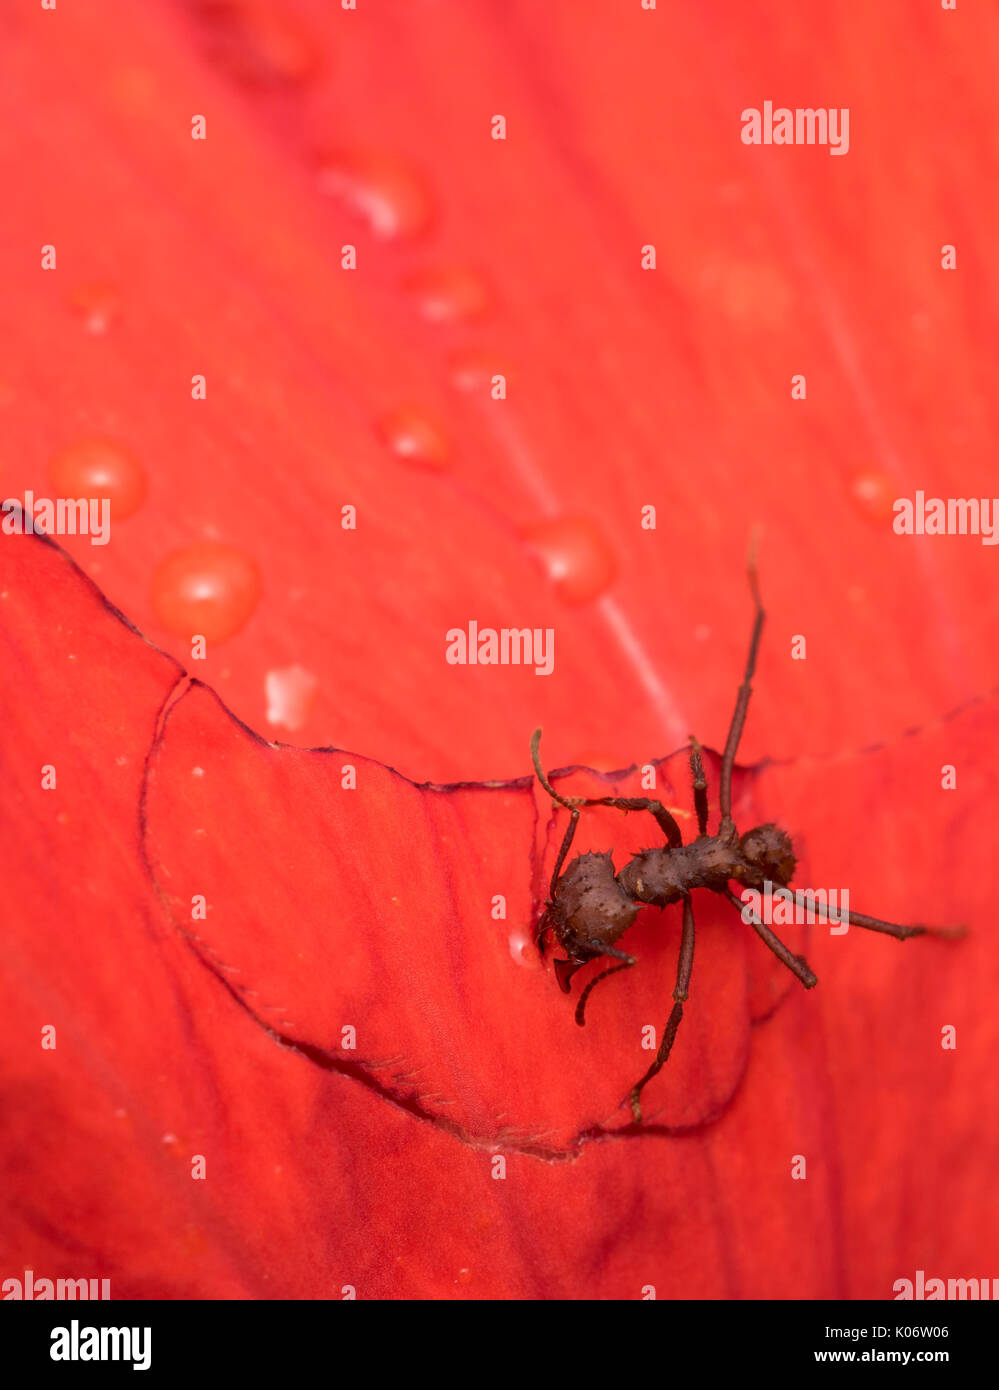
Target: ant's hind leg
x=684 y=967
x=796 y=964
x=700 y=786
x=741 y=706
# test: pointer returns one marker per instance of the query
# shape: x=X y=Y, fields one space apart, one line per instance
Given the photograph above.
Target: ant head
x=767 y=853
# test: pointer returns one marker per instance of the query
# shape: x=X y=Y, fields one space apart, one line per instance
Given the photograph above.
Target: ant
x=590 y=906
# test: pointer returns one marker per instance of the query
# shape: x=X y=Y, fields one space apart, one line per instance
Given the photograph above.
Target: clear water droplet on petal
x=576 y=555
x=380 y=189
x=97 y=304
x=100 y=468
x=471 y=370
x=872 y=494
x=448 y=294
x=415 y=435
x=208 y=588
x=521 y=946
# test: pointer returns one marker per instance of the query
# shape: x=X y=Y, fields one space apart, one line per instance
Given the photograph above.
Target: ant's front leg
x=741 y=706
x=684 y=967
x=567 y=840
x=666 y=823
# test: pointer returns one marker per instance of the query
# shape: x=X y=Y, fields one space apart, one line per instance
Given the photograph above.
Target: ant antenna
x=567 y=801
x=752 y=556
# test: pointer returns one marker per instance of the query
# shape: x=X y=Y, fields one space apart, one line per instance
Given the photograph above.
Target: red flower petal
x=626 y=389
x=160 y=1059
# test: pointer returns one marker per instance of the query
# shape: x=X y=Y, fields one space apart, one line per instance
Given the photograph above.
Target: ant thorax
x=664 y=876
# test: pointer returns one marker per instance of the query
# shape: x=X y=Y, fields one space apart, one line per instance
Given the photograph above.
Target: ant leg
x=700 y=786
x=796 y=964
x=857 y=919
x=628 y=962
x=542 y=927
x=684 y=967
x=667 y=824
x=567 y=839
x=567 y=801
x=741 y=706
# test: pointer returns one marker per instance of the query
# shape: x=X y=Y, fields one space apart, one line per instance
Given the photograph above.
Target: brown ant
x=590 y=906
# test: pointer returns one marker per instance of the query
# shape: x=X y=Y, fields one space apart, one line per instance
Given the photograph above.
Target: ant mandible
x=590 y=906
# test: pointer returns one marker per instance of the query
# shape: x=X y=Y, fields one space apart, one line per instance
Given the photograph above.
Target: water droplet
x=448 y=294
x=464 y=1276
x=207 y=588
x=380 y=189
x=472 y=370
x=873 y=495
x=415 y=436
x=100 y=468
x=197 y=772
x=576 y=555
x=520 y=946
x=97 y=304
x=258 y=45
x=290 y=693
